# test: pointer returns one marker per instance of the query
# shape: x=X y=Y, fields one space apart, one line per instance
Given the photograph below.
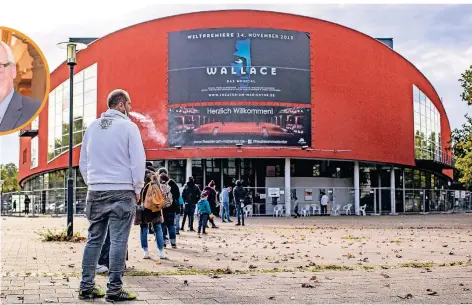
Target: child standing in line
x=204 y=211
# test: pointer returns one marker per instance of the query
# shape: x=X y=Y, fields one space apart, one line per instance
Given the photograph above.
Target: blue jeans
x=240 y=213
x=157 y=232
x=105 y=253
x=226 y=211
x=113 y=210
x=169 y=225
x=177 y=223
x=202 y=222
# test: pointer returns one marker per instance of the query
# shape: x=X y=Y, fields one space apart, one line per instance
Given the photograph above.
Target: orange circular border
x=48 y=81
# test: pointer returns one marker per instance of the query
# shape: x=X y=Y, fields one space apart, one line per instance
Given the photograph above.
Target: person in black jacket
x=210 y=189
x=27 y=203
x=239 y=197
x=190 y=195
x=169 y=212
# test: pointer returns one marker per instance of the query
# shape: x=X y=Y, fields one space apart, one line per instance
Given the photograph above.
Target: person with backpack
x=148 y=219
x=204 y=212
x=171 y=191
x=239 y=196
x=190 y=195
x=210 y=189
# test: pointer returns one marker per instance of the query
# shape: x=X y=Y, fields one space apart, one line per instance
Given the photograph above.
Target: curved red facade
x=361 y=90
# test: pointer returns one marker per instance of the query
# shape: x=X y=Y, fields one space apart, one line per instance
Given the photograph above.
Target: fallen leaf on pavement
x=408 y=296
x=186 y=282
x=385 y=275
x=433 y=293
x=305 y=285
x=313 y=278
x=271 y=298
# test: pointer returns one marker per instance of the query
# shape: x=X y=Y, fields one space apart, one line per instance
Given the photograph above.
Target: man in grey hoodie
x=112 y=163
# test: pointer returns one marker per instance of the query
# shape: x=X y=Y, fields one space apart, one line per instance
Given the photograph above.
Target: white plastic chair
x=306 y=211
x=347 y=209
x=248 y=211
x=278 y=210
x=336 y=209
x=362 y=209
x=316 y=207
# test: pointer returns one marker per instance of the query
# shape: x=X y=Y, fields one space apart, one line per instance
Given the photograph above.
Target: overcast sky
x=435 y=38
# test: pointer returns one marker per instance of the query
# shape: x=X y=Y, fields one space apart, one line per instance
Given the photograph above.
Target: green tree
x=461 y=138
x=9 y=173
x=466 y=83
x=464 y=163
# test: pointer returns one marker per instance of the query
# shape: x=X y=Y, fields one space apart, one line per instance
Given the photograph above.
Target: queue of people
x=113 y=165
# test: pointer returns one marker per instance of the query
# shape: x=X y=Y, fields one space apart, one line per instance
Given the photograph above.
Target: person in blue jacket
x=204 y=211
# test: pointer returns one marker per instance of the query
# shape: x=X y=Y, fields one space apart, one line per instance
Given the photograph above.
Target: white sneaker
x=146 y=255
x=162 y=254
x=101 y=269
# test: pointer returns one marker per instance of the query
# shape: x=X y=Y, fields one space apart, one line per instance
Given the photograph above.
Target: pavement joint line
x=209 y=272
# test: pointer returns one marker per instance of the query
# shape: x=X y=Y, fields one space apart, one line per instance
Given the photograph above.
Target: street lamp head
x=72 y=48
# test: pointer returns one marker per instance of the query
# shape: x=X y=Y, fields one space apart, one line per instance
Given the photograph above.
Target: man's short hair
x=7 y=48
x=117 y=96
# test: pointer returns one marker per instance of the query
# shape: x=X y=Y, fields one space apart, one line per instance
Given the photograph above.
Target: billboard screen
x=239 y=64
x=249 y=125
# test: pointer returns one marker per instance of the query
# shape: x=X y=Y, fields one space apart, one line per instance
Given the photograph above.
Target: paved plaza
x=384 y=259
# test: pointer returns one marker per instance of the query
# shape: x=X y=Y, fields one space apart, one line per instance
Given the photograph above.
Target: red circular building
x=279 y=101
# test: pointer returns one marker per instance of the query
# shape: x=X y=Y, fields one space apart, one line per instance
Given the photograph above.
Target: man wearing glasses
x=15 y=109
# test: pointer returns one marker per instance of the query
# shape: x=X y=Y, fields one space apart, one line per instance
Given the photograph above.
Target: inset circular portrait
x=24 y=80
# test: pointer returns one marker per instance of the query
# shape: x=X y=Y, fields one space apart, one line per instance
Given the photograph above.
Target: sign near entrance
x=274 y=192
x=246 y=125
x=239 y=64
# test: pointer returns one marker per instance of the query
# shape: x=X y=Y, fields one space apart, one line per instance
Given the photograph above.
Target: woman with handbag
x=146 y=218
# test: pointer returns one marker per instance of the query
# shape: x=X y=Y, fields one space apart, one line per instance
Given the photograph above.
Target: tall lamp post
x=1 y=193
x=72 y=48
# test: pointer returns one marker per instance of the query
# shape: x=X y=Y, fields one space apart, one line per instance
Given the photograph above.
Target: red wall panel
x=362 y=94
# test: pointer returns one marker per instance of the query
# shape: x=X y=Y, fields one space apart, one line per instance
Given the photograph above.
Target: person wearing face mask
x=15 y=109
x=112 y=163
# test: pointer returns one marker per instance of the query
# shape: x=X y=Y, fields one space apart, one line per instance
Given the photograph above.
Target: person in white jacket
x=112 y=163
